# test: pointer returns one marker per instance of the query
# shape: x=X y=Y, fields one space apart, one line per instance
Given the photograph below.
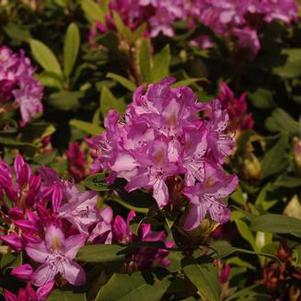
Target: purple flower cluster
x=18 y=85
x=50 y=219
x=243 y=19
x=162 y=140
x=240 y=20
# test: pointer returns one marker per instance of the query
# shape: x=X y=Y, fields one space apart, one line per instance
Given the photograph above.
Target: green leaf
x=87 y=127
x=100 y=253
x=93 y=11
x=292 y=66
x=205 y=278
x=123 y=81
x=245 y=232
x=124 y=287
x=96 y=182
x=281 y=121
x=262 y=98
x=247 y=294
x=187 y=82
x=297 y=255
x=71 y=48
x=274 y=159
x=49 y=79
x=62 y=295
x=122 y=29
x=276 y=223
x=45 y=57
x=239 y=262
x=28 y=148
x=161 y=62
x=65 y=100
x=17 y=32
x=129 y=206
x=224 y=249
x=144 y=60
x=109 y=101
x=238 y=196
x=287 y=181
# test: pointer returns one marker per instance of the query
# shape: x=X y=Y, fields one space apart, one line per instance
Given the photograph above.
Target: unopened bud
x=297 y=154
x=251 y=168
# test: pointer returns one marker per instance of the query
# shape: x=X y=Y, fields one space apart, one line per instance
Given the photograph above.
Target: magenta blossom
x=18 y=85
x=56 y=254
x=80 y=209
x=207 y=197
x=102 y=232
x=29 y=294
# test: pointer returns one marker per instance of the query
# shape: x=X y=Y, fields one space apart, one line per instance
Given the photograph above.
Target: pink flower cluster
x=162 y=140
x=243 y=19
x=18 y=85
x=50 y=219
x=231 y=18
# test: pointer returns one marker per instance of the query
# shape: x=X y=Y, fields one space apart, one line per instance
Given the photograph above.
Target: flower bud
x=22 y=272
x=297 y=154
x=251 y=168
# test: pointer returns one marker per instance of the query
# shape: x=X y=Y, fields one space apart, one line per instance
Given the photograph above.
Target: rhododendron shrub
x=150 y=150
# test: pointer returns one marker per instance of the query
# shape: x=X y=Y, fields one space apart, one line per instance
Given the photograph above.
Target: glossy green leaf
x=276 y=223
x=263 y=99
x=63 y=295
x=65 y=100
x=124 y=287
x=96 y=182
x=187 y=82
x=274 y=160
x=292 y=66
x=205 y=278
x=49 y=79
x=108 y=101
x=71 y=48
x=123 y=81
x=144 y=60
x=281 y=121
x=122 y=29
x=93 y=11
x=245 y=232
x=86 y=127
x=45 y=57
x=100 y=253
x=161 y=62
x=17 y=32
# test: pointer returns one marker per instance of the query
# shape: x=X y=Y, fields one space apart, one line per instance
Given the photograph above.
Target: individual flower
x=56 y=254
x=18 y=85
x=102 y=232
x=207 y=197
x=80 y=209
